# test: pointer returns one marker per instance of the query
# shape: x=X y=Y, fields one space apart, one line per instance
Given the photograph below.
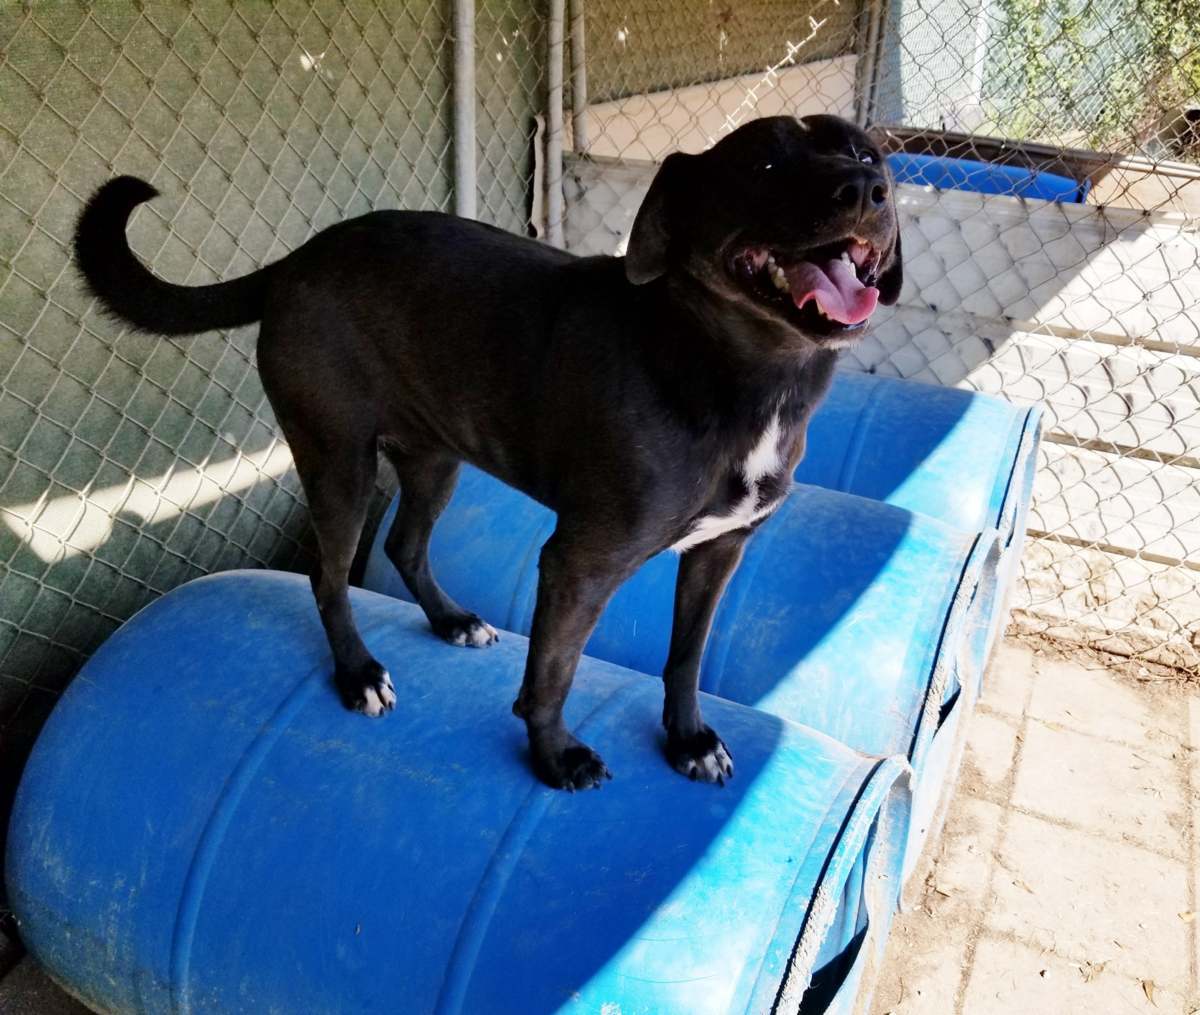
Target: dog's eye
x=866 y=158
x=762 y=167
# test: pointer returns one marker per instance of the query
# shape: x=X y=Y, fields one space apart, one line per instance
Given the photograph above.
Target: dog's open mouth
x=828 y=290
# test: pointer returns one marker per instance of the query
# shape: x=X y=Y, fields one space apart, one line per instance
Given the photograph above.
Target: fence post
x=872 y=15
x=464 y=108
x=554 y=124
x=579 y=139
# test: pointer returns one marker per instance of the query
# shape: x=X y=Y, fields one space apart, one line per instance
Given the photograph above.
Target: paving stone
x=1193 y=751
x=1103 y=787
x=958 y=874
x=991 y=745
x=1007 y=977
x=1091 y=899
x=1006 y=682
x=922 y=970
x=1104 y=704
x=1061 y=891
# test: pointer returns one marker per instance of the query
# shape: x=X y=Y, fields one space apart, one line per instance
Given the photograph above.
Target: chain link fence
x=129 y=464
x=1088 y=301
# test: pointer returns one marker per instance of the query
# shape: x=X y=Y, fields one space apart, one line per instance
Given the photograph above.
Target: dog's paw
x=368 y=690
x=575 y=767
x=467 y=630
x=702 y=755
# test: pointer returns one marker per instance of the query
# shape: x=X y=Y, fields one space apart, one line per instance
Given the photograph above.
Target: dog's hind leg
x=426 y=484
x=337 y=481
x=704 y=571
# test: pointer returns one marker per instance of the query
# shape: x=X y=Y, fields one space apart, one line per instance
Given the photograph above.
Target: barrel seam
x=214 y=831
x=482 y=908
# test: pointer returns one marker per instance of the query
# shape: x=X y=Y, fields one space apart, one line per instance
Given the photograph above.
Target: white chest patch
x=763 y=460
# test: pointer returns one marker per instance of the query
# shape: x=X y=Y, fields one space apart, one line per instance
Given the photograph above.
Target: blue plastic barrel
x=966 y=459
x=203 y=828
x=852 y=617
x=948 y=173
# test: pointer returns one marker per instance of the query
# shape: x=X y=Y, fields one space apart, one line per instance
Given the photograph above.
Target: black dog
x=657 y=400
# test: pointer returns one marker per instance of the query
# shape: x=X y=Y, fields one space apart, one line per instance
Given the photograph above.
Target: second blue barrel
x=852 y=617
x=964 y=458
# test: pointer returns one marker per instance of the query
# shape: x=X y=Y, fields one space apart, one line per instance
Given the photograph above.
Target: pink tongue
x=836 y=289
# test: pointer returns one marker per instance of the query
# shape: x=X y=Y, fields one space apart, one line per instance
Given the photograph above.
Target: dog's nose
x=866 y=190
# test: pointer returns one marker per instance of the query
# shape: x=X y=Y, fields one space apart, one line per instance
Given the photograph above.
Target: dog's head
x=793 y=220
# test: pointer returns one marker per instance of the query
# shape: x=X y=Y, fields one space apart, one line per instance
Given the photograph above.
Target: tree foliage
x=1103 y=74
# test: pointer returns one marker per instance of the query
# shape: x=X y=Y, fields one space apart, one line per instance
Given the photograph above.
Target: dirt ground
x=1066 y=877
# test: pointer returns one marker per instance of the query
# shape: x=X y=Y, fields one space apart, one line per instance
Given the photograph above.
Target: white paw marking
x=713 y=766
x=763 y=460
x=477 y=635
x=377 y=700
x=482 y=634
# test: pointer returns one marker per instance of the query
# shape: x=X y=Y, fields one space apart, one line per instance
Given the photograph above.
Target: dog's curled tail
x=129 y=291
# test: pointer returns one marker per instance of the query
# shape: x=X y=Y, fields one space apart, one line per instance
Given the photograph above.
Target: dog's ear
x=646 y=255
x=892 y=279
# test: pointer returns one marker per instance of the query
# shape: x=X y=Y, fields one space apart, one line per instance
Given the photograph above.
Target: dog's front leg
x=704 y=571
x=576 y=578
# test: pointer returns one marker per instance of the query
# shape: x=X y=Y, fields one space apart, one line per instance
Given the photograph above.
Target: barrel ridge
x=712 y=671
x=854 y=446
x=218 y=822
x=482 y=908
x=878 y=798
x=952 y=644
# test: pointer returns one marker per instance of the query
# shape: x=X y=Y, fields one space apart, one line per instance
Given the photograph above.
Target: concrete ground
x=1066 y=879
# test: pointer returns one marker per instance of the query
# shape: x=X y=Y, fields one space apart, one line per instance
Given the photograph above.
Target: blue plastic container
x=849 y=616
x=965 y=459
x=948 y=173
x=203 y=828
